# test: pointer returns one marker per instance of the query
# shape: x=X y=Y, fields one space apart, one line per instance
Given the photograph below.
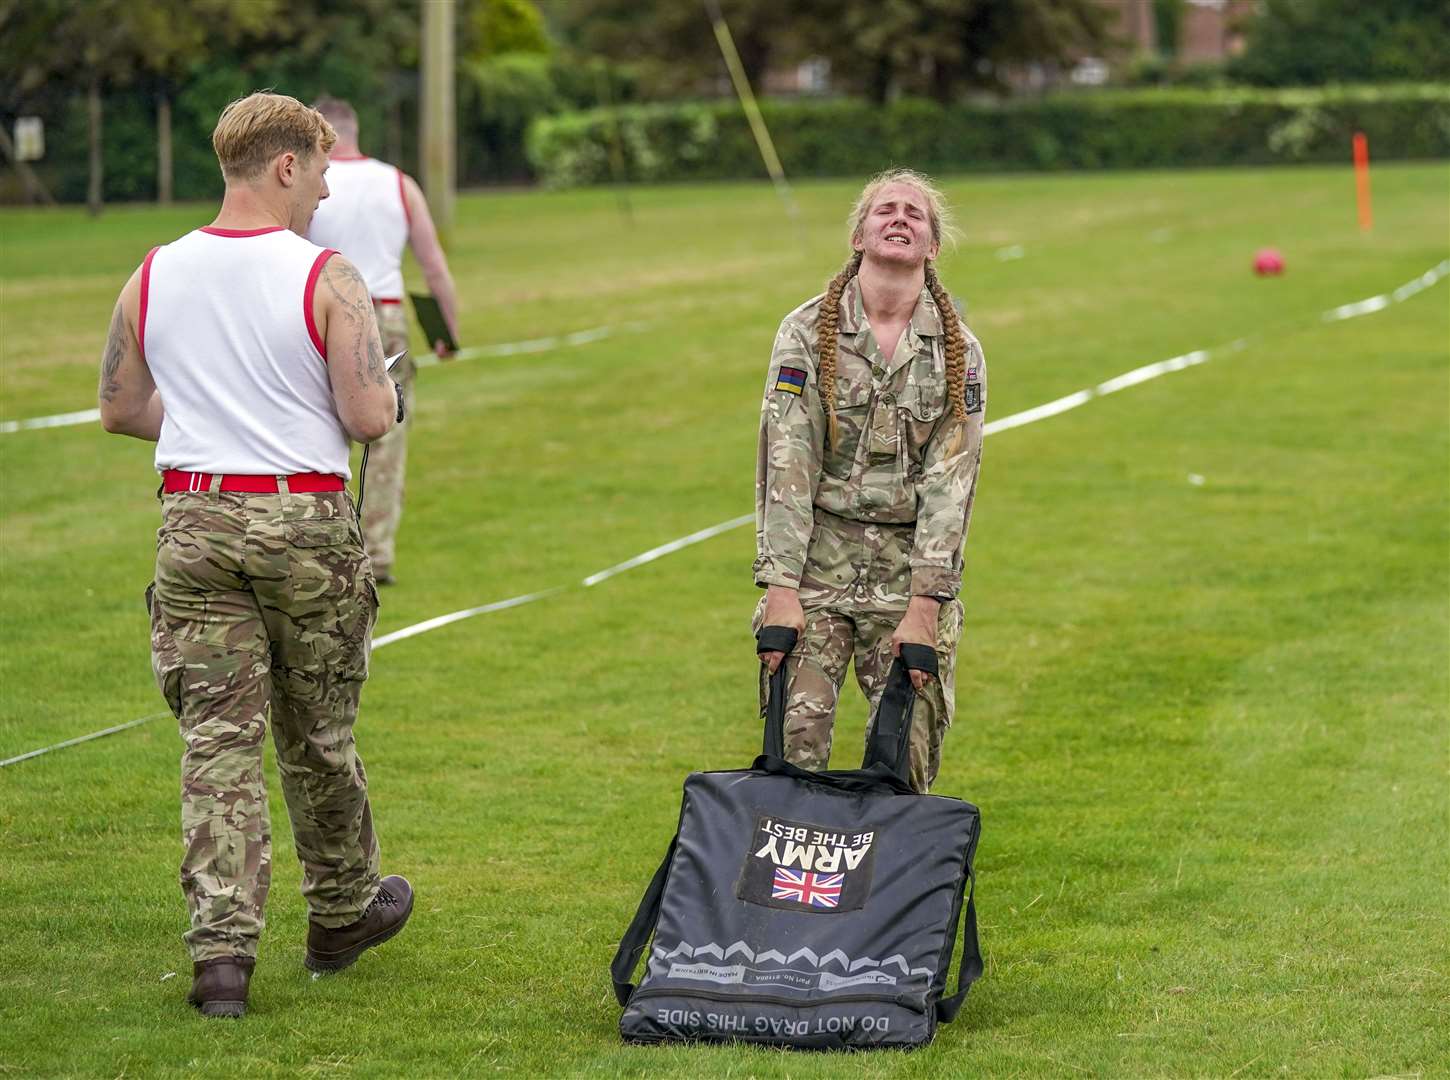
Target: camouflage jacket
x=902 y=457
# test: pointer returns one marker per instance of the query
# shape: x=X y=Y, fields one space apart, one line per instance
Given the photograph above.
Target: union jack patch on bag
x=804 y=887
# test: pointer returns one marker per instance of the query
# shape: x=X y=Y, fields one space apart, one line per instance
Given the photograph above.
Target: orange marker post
x=1361 y=181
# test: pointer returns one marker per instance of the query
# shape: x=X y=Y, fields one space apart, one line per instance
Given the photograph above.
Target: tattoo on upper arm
x=112 y=357
x=356 y=306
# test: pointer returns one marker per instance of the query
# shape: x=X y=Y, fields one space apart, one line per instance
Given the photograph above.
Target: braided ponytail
x=956 y=351
x=827 y=325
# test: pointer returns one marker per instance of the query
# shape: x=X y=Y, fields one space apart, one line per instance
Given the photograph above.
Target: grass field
x=1206 y=722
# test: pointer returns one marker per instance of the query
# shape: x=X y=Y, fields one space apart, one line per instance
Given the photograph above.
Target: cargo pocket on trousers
x=324 y=556
x=166 y=662
x=318 y=533
x=357 y=664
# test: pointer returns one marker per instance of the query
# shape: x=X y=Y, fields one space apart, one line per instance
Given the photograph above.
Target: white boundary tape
x=457 y=616
x=1028 y=416
x=1041 y=412
x=84 y=738
x=1384 y=300
x=85 y=416
x=538 y=345
x=1112 y=386
x=507 y=348
x=665 y=549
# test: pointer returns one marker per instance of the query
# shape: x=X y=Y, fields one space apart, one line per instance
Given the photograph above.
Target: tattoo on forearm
x=351 y=293
x=111 y=358
x=376 y=367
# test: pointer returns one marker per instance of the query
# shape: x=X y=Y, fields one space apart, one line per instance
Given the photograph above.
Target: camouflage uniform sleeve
x=788 y=460
x=947 y=488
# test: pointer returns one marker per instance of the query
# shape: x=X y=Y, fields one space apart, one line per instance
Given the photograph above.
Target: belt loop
x=216 y=485
x=282 y=488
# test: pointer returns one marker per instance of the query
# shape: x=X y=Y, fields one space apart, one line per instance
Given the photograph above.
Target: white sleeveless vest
x=226 y=328
x=365 y=216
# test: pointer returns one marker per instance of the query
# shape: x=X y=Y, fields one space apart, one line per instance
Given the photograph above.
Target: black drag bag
x=815 y=910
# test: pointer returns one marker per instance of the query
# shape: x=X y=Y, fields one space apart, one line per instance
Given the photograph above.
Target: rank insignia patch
x=974 y=397
x=791 y=380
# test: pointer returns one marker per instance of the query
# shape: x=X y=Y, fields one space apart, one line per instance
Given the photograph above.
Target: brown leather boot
x=219 y=985
x=332 y=949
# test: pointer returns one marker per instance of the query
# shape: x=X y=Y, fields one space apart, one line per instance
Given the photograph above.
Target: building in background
x=1190 y=31
x=1183 y=33
x=1213 y=30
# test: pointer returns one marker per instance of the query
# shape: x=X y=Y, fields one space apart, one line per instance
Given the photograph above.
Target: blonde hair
x=939 y=211
x=829 y=316
x=255 y=129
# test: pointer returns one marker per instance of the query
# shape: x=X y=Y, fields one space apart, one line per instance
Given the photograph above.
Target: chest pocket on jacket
x=922 y=403
x=853 y=408
x=925 y=398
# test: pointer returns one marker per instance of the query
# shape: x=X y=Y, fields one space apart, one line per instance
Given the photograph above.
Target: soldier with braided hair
x=870 y=443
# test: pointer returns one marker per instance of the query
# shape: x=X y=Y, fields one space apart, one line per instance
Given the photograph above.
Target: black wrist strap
x=890 y=743
x=775 y=639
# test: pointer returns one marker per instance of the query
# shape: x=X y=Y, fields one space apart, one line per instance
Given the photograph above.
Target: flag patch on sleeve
x=791 y=380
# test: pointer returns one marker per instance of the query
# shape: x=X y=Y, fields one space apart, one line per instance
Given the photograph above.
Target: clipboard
x=430 y=318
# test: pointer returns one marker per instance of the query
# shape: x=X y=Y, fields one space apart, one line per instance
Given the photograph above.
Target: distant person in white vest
x=374 y=212
x=250 y=357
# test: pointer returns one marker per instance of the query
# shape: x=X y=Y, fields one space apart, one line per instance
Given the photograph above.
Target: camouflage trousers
x=855 y=590
x=265 y=604
x=388 y=457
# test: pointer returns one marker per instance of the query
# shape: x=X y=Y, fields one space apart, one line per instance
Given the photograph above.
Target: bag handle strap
x=775 y=639
x=876 y=778
x=891 y=734
x=971 y=967
x=632 y=945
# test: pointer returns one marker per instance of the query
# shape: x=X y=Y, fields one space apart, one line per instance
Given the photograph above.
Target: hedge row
x=1091 y=130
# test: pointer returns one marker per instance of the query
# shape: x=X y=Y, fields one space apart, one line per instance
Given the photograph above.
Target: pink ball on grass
x=1268 y=261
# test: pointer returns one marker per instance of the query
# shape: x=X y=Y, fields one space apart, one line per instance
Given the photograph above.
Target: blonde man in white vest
x=374 y=212
x=250 y=356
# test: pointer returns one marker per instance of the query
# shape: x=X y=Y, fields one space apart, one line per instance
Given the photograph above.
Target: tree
x=502 y=27
x=103 y=44
x=179 y=36
x=880 y=48
x=51 y=40
x=363 y=50
x=1310 y=42
x=938 y=48
x=671 y=45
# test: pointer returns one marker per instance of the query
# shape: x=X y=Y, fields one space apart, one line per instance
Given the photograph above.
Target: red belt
x=174 y=480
